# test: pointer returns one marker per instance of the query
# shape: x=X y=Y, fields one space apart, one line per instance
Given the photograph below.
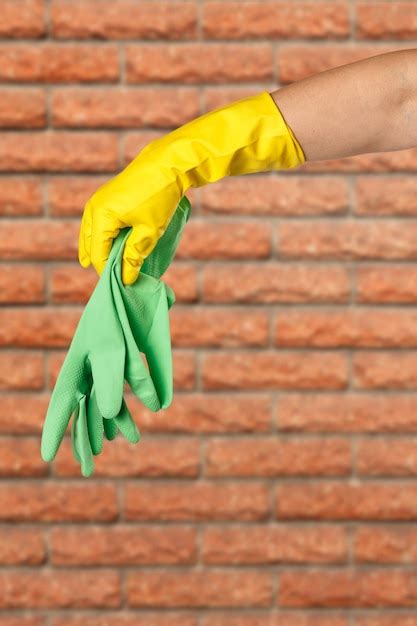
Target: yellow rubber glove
x=249 y=135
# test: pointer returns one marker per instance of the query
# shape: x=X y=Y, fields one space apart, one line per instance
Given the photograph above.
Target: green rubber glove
x=142 y=311
x=152 y=386
x=96 y=355
x=89 y=427
x=146 y=326
x=117 y=324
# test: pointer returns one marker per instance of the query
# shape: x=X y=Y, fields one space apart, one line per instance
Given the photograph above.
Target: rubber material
x=249 y=135
x=119 y=324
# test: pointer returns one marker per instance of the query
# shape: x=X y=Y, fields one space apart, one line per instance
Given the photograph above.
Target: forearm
x=358 y=108
x=363 y=107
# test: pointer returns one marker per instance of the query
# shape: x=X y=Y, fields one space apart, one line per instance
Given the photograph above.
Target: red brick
x=225 y=240
x=276 y=195
x=37 y=328
x=48 y=502
x=274 y=544
x=351 y=413
x=22 y=109
x=378 y=20
x=21 y=457
x=208 y=413
x=394 y=284
x=22 y=19
x=22 y=621
x=182 y=277
x=388 y=239
x=369 y=588
x=126 y=619
x=273 y=370
x=21 y=196
x=60 y=589
x=58 y=151
x=68 y=195
x=297 y=62
x=185 y=370
x=388 y=619
x=375 y=544
x=269 y=283
x=188 y=501
x=22 y=413
x=274 y=457
x=21 y=370
x=210 y=327
x=123 y=19
x=289 y=20
x=365 y=328
x=219 y=95
x=21 y=547
x=198 y=62
x=58 y=63
x=339 y=501
x=150 y=458
x=123 y=107
x=134 y=142
x=386 y=196
x=123 y=545
x=282 y=618
x=215 y=588
x=378 y=370
x=387 y=457
x=72 y=284
x=39 y=240
x=22 y=284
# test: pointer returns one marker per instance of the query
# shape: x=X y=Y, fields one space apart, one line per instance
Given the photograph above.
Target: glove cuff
x=247 y=136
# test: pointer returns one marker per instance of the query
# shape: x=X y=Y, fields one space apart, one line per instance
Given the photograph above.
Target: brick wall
x=280 y=488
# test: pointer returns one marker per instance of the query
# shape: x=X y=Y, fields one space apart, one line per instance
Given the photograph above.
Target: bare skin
x=362 y=107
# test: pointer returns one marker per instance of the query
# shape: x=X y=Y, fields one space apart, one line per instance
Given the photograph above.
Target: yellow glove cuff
x=247 y=136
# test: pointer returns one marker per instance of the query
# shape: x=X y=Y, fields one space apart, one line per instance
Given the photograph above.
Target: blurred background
x=279 y=489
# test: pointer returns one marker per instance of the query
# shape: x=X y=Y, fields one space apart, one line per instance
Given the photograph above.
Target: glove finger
x=127 y=425
x=139 y=244
x=159 y=354
x=170 y=293
x=84 y=240
x=94 y=424
x=136 y=373
x=63 y=402
x=82 y=442
x=105 y=228
x=140 y=380
x=107 y=369
x=110 y=429
x=74 y=447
